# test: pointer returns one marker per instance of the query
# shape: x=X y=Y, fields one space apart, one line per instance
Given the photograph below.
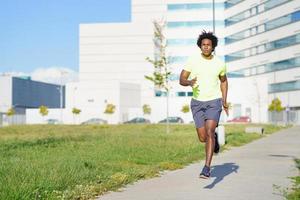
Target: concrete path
x=252 y=171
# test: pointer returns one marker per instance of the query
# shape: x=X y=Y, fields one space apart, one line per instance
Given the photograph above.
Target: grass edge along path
x=81 y=162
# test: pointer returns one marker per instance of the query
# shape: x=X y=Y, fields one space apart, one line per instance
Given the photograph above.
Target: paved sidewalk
x=242 y=173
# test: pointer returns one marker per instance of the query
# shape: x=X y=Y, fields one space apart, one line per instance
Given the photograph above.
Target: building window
x=178 y=59
x=270 y=46
x=180 y=94
x=190 y=94
x=231 y=3
x=195 y=24
x=279 y=22
x=270 y=67
x=253 y=11
x=179 y=42
x=284 y=87
x=159 y=93
x=194 y=6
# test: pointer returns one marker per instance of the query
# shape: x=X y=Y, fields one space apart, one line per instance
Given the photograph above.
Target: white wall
x=5 y=93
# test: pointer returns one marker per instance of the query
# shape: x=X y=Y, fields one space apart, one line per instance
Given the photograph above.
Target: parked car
x=95 y=121
x=244 y=119
x=52 y=121
x=172 y=120
x=138 y=120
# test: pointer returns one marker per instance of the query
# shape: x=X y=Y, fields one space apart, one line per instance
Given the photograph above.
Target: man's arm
x=224 y=89
x=184 y=75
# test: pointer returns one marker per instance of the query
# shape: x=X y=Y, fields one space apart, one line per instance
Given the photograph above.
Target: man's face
x=206 y=47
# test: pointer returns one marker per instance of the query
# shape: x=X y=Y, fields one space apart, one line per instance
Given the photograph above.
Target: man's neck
x=209 y=57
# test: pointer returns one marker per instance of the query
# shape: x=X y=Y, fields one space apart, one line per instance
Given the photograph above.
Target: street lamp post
x=62 y=72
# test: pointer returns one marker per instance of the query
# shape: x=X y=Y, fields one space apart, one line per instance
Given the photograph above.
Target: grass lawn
x=294 y=192
x=80 y=162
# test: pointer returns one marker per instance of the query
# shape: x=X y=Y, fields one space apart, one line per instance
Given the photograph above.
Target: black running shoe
x=205 y=173
x=217 y=146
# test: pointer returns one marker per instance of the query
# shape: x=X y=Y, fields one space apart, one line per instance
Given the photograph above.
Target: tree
x=10 y=112
x=161 y=74
x=146 y=109
x=110 y=108
x=75 y=111
x=43 y=110
x=276 y=105
x=275 y=108
x=185 y=108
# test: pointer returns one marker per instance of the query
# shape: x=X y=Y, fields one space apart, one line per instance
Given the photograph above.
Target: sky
x=37 y=35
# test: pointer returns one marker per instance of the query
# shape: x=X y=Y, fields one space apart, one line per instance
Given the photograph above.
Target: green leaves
x=161 y=74
x=43 y=110
x=276 y=105
x=110 y=108
x=185 y=108
x=146 y=109
x=10 y=112
x=76 y=111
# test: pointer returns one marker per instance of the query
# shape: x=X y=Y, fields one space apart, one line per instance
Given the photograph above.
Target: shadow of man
x=220 y=171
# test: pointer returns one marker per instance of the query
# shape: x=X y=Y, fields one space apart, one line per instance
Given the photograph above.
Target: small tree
x=109 y=109
x=10 y=113
x=161 y=74
x=276 y=105
x=146 y=109
x=75 y=111
x=43 y=110
x=185 y=108
x=275 y=108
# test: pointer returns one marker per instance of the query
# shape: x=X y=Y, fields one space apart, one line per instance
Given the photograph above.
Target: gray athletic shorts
x=206 y=110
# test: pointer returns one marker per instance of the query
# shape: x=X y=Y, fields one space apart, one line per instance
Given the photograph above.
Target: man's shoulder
x=218 y=60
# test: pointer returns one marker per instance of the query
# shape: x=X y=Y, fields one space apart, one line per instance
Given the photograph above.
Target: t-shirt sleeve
x=223 y=69
x=188 y=65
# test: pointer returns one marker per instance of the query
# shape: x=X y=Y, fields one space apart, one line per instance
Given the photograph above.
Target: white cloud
x=55 y=75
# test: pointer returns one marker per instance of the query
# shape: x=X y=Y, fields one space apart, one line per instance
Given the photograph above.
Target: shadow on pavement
x=220 y=171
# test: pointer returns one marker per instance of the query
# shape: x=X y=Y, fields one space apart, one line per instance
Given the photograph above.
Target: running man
x=206 y=74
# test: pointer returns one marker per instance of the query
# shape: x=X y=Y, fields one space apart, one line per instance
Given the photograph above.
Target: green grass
x=80 y=162
x=295 y=190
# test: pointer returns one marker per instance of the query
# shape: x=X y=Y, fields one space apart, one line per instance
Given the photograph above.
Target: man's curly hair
x=210 y=36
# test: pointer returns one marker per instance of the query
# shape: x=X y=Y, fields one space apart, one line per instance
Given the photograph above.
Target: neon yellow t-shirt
x=207 y=72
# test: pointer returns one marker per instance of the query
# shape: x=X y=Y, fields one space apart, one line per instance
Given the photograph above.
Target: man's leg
x=210 y=126
x=202 y=135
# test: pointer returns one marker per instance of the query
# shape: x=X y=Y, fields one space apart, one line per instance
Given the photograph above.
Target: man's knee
x=202 y=139
x=201 y=134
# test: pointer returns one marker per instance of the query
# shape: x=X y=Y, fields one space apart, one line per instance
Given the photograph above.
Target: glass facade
x=256 y=50
x=276 y=23
x=231 y=3
x=178 y=59
x=284 y=87
x=270 y=67
x=254 y=11
x=195 y=24
x=32 y=94
x=184 y=94
x=194 y=6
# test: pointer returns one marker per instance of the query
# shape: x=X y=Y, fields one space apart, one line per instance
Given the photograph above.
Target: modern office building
x=113 y=54
x=21 y=93
x=262 y=44
x=259 y=40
